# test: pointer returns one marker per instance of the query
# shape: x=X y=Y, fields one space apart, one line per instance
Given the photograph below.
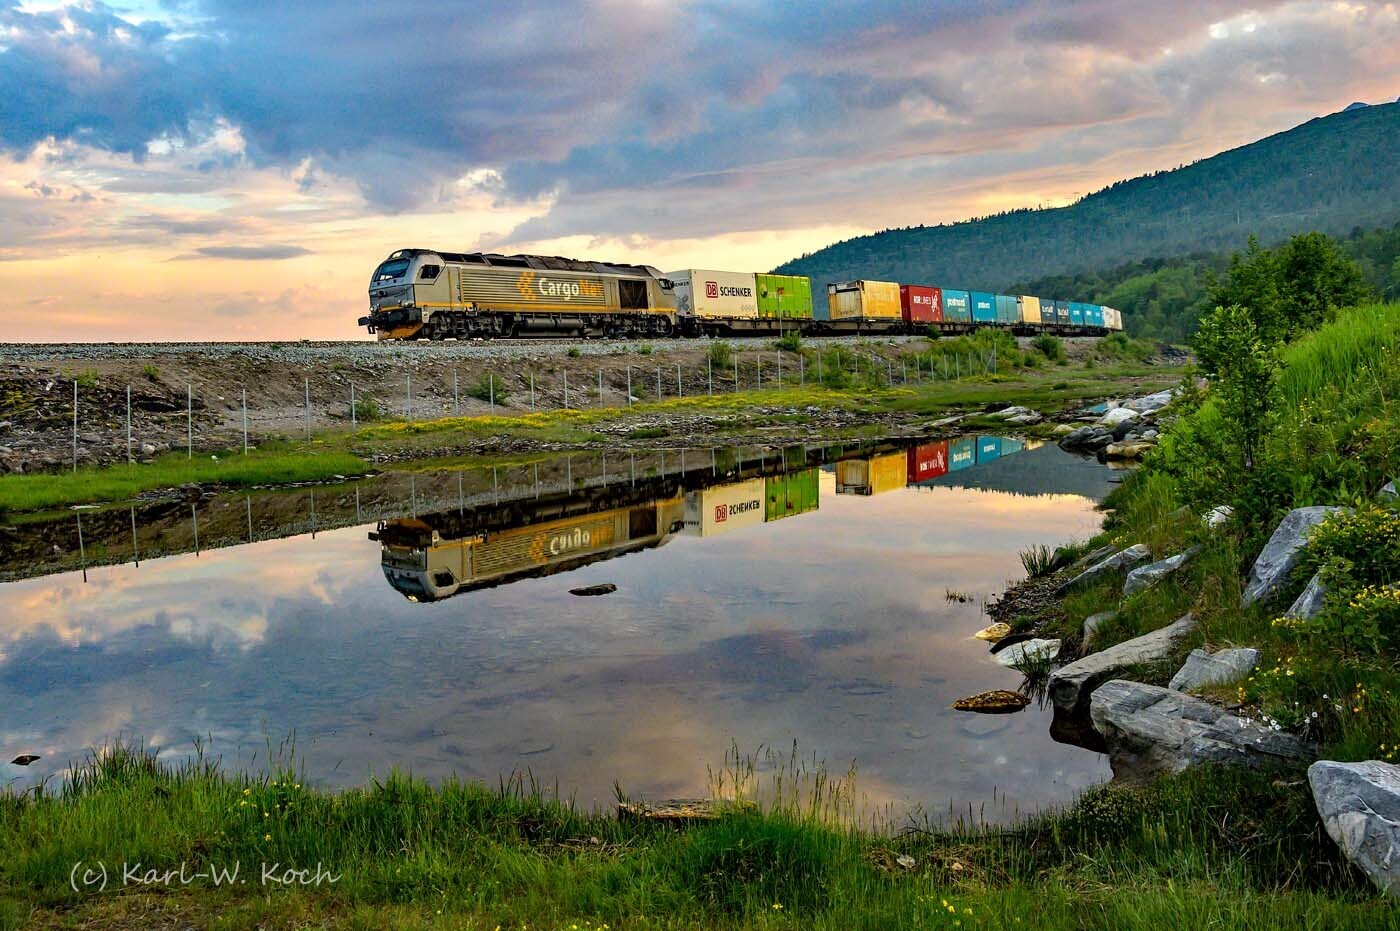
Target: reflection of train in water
x=433 y=556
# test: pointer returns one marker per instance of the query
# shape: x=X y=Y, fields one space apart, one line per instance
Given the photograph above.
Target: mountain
x=1332 y=174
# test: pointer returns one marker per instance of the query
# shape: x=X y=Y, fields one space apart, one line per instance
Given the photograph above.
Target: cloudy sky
x=234 y=169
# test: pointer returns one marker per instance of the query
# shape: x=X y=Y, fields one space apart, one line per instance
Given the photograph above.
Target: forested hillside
x=1332 y=174
x=1164 y=297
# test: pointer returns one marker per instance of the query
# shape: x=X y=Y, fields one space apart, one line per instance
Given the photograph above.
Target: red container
x=920 y=304
x=928 y=460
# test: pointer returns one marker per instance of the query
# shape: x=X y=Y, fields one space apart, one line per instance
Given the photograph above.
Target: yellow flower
x=267 y=837
x=777 y=906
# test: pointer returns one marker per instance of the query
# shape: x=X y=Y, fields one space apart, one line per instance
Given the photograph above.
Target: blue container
x=984 y=307
x=962 y=454
x=1076 y=313
x=1062 y=313
x=957 y=306
x=1008 y=310
x=988 y=448
x=1047 y=311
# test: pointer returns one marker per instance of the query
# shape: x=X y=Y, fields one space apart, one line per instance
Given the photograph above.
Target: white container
x=708 y=294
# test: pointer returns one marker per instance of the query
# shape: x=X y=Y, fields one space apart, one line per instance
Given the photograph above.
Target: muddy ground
x=194 y=392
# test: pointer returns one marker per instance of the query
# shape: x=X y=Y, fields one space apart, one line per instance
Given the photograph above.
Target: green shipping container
x=786 y=296
x=793 y=493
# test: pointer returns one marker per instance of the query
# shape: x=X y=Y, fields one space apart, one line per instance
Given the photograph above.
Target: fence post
x=889 y=370
x=189 y=421
x=491 y=390
x=780 y=368
x=710 y=375
x=245 y=421
x=353 y=424
x=75 y=444
x=128 y=430
x=658 y=383
x=801 y=371
x=760 y=371
x=629 y=386
x=532 y=391
x=680 y=386
x=410 y=398
x=819 y=366
x=456 y=398
x=600 y=387
x=566 y=389
x=736 y=372
x=903 y=371
x=306 y=388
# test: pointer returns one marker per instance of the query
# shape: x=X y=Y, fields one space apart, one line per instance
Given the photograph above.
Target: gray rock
x=1029 y=652
x=1117 y=415
x=1146 y=576
x=1071 y=685
x=1309 y=603
x=1202 y=668
x=1121 y=561
x=1218 y=515
x=1360 y=808
x=1010 y=413
x=1151 y=731
x=1151 y=402
x=1388 y=492
x=1128 y=450
x=1093 y=622
x=1281 y=554
x=1149 y=434
x=1093 y=556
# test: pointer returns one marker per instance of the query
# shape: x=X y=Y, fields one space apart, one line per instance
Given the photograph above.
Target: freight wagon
x=425 y=294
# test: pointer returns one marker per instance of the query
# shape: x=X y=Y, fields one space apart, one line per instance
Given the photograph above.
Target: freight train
x=423 y=294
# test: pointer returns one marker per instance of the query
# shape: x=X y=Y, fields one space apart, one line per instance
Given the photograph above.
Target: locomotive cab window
x=391 y=270
x=632 y=294
x=429 y=272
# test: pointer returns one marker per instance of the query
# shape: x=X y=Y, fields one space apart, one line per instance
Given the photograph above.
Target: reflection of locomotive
x=427 y=558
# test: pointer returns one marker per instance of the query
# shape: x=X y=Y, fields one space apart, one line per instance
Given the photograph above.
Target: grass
x=123 y=482
x=1210 y=848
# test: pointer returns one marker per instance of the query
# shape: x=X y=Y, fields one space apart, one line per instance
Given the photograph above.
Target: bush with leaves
x=1241 y=363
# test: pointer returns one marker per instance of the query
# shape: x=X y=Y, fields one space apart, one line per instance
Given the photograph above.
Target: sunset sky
x=234 y=169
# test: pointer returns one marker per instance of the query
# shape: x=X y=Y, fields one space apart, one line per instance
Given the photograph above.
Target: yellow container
x=855 y=300
x=1030 y=309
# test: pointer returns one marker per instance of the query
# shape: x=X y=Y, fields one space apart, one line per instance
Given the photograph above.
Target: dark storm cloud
x=602 y=105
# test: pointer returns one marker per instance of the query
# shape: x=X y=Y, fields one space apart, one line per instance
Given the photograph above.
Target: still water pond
x=424 y=621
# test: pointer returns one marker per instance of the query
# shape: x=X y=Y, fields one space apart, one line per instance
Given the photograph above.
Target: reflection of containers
x=872 y=476
x=962 y=454
x=723 y=508
x=863 y=300
x=790 y=494
x=988 y=448
x=926 y=461
x=984 y=307
x=1010 y=446
x=784 y=296
x=1030 y=308
x=957 y=306
x=704 y=293
x=920 y=304
x=1008 y=311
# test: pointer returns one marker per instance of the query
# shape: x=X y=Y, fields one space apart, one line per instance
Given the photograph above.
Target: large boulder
x=1029 y=652
x=1071 y=685
x=1091 y=438
x=1146 y=576
x=1282 y=553
x=1151 y=731
x=1151 y=402
x=1309 y=603
x=1202 y=668
x=1360 y=808
x=1117 y=415
x=1122 y=561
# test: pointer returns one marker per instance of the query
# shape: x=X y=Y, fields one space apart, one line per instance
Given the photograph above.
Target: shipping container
x=920 y=304
x=988 y=448
x=962 y=454
x=1062 y=313
x=984 y=307
x=703 y=294
x=791 y=494
x=1112 y=319
x=927 y=461
x=784 y=297
x=723 y=508
x=873 y=476
x=1076 y=313
x=1093 y=315
x=1008 y=312
x=1047 y=312
x=1030 y=309
x=957 y=306
x=863 y=300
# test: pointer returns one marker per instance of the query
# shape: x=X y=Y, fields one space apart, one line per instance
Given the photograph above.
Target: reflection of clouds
x=828 y=628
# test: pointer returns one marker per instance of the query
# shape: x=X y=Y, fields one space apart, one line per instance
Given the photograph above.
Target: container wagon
x=710 y=302
x=984 y=307
x=863 y=307
x=784 y=301
x=957 y=307
x=1008 y=311
x=920 y=305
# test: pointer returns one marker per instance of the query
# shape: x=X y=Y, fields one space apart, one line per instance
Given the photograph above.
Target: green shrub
x=573 y=352
x=1358 y=557
x=367 y=409
x=791 y=341
x=1049 y=346
x=151 y=371
x=721 y=355
x=488 y=388
x=645 y=349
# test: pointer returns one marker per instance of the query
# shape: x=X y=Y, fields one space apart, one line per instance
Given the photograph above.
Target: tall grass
x=1349 y=357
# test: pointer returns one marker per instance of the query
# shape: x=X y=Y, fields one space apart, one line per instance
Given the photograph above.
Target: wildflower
x=777 y=906
x=267 y=837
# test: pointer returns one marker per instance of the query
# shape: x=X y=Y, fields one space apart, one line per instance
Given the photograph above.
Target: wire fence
x=339 y=401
